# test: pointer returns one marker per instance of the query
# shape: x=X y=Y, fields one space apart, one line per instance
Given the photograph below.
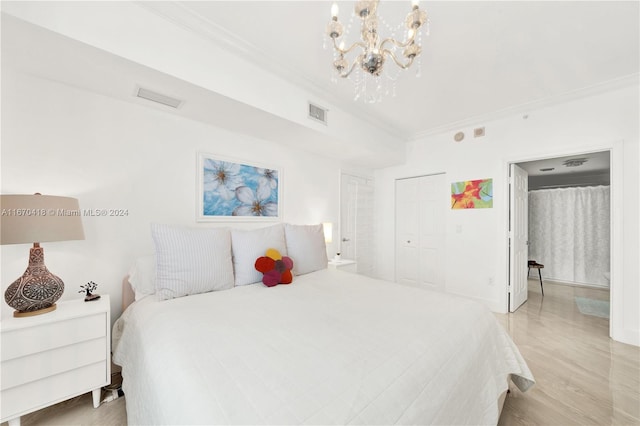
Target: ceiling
x=588 y=169
x=584 y=164
x=481 y=59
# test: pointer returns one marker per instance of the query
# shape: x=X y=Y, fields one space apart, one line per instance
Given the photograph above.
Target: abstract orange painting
x=472 y=194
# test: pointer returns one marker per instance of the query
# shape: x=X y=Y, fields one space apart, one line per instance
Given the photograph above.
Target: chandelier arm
x=353 y=65
x=396 y=42
x=400 y=64
x=344 y=51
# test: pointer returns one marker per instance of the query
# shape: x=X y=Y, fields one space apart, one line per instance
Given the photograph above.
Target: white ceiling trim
x=180 y=14
x=618 y=83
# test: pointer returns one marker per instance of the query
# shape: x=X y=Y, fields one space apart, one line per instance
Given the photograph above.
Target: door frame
x=616 y=159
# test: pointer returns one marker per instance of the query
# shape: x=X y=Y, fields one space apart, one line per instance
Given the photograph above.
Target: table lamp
x=327 y=227
x=35 y=219
x=328 y=235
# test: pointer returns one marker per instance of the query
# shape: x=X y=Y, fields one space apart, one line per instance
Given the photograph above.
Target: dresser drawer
x=31 y=396
x=19 y=371
x=46 y=336
x=49 y=358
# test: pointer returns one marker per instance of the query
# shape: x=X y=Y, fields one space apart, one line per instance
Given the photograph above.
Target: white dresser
x=53 y=357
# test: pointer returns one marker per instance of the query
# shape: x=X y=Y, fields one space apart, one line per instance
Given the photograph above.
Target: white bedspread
x=331 y=348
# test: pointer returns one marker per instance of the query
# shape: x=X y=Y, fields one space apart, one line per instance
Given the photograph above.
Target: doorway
x=561 y=178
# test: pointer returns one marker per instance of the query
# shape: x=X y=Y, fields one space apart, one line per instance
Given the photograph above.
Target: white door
x=420 y=229
x=518 y=236
x=348 y=211
x=356 y=221
x=407 y=231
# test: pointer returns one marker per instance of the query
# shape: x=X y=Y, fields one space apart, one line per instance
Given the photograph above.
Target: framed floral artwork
x=236 y=190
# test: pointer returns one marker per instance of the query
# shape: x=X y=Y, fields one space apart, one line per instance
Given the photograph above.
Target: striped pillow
x=191 y=261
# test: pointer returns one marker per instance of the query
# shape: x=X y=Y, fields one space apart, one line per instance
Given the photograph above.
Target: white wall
x=116 y=27
x=60 y=140
x=104 y=151
x=476 y=264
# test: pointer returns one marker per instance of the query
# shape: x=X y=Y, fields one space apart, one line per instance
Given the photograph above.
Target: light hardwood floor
x=582 y=376
x=78 y=411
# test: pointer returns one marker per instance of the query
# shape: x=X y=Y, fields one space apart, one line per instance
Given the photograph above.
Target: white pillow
x=142 y=276
x=247 y=246
x=191 y=261
x=306 y=247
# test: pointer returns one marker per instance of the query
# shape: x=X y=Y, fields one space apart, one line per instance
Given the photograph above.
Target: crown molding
x=181 y=15
x=585 y=92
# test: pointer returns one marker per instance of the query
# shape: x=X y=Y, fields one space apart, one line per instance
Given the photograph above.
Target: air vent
x=575 y=162
x=318 y=113
x=150 y=95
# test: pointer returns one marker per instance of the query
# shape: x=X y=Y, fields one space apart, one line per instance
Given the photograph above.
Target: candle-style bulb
x=334 y=10
x=415 y=3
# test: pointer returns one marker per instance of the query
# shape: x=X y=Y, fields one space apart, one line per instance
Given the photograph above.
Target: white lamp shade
x=328 y=232
x=39 y=218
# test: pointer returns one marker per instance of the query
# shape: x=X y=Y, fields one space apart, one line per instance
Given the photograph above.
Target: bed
x=330 y=348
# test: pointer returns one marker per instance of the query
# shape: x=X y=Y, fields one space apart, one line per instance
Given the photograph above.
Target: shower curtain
x=569 y=233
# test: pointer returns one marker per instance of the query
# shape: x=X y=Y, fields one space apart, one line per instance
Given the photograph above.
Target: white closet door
x=407 y=231
x=420 y=230
x=432 y=230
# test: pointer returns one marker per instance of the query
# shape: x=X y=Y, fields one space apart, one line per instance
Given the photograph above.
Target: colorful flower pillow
x=276 y=269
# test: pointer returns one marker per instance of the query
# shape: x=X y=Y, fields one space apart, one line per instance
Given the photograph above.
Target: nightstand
x=344 y=265
x=52 y=357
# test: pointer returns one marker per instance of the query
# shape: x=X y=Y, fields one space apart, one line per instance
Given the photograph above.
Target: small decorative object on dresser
x=47 y=359
x=36 y=219
x=89 y=288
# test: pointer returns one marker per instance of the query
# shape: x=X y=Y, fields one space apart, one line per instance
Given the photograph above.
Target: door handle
x=344 y=240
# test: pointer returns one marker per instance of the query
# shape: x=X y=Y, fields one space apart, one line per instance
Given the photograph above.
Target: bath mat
x=597 y=308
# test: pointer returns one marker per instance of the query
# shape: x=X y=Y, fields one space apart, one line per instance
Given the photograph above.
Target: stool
x=538 y=266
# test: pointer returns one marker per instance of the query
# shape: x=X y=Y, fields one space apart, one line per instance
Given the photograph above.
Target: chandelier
x=374 y=51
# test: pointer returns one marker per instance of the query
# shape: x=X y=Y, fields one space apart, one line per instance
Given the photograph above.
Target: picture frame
x=472 y=194
x=230 y=189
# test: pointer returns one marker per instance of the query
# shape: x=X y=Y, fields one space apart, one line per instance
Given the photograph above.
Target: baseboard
x=630 y=337
x=573 y=284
